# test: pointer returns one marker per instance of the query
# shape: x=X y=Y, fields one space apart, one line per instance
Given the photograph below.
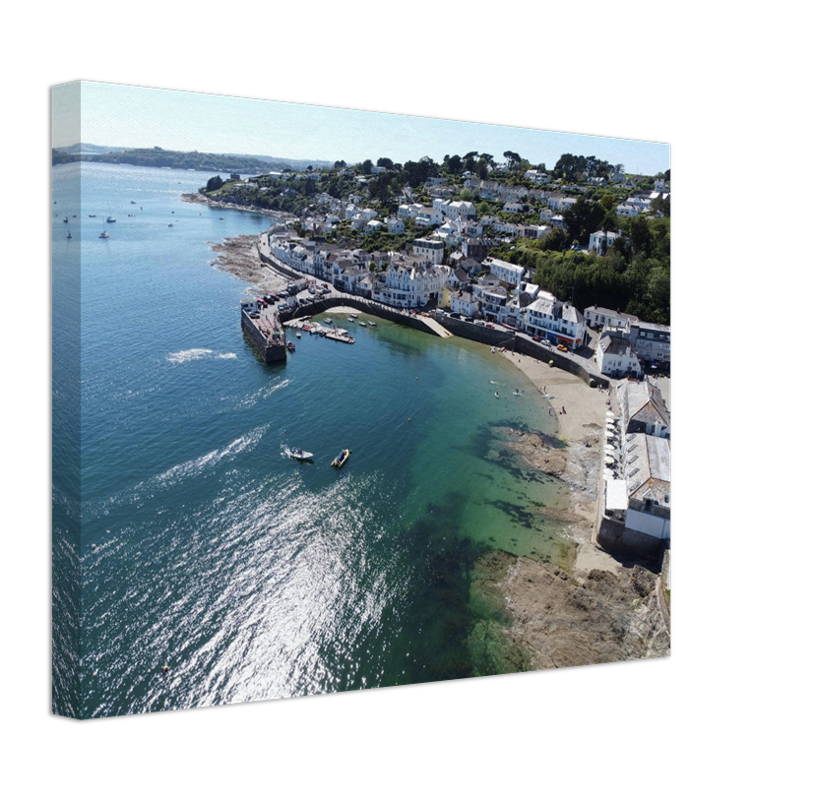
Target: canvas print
x=346 y=400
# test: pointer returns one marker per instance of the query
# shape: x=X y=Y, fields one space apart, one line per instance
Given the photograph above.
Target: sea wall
x=279 y=266
x=523 y=345
x=616 y=538
x=271 y=354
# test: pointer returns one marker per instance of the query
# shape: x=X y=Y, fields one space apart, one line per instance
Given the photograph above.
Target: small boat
x=362 y=323
x=104 y=235
x=220 y=217
x=297 y=454
x=170 y=225
x=372 y=324
x=111 y=219
x=298 y=334
x=290 y=346
x=329 y=321
x=353 y=316
x=91 y=215
x=496 y=394
x=340 y=460
x=132 y=202
x=65 y=219
x=69 y=235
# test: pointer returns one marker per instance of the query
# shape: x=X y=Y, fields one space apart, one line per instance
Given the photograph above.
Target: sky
x=129 y=116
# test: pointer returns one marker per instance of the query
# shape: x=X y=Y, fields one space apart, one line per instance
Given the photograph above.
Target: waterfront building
x=641 y=498
x=491 y=295
x=555 y=321
x=463 y=302
x=643 y=409
x=651 y=340
x=409 y=282
x=615 y=356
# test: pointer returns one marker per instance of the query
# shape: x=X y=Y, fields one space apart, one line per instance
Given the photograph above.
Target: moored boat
x=340 y=460
x=104 y=235
x=111 y=219
x=290 y=346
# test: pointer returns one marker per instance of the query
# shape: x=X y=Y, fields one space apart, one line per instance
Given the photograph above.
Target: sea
x=194 y=564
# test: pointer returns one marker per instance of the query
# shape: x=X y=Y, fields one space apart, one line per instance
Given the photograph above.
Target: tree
x=214 y=183
x=384 y=162
x=512 y=158
x=366 y=166
x=339 y=164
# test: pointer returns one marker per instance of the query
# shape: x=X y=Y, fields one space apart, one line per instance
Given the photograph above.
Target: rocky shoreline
x=202 y=199
x=601 y=610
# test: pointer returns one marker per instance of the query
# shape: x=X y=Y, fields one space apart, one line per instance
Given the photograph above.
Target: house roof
x=648 y=468
x=642 y=401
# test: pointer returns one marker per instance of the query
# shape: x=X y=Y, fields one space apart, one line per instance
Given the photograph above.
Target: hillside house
x=601 y=241
x=510 y=274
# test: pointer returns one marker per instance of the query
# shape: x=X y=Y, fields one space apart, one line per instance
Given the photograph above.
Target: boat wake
x=197 y=353
x=180 y=472
x=196 y=466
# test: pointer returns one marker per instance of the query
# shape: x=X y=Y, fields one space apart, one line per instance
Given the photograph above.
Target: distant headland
x=177 y=159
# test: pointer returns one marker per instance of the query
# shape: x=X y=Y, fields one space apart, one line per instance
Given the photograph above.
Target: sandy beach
x=580 y=464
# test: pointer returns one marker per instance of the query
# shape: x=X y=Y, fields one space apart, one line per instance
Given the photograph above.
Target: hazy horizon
x=137 y=117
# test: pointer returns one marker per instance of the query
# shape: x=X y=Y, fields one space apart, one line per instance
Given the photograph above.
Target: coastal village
x=426 y=256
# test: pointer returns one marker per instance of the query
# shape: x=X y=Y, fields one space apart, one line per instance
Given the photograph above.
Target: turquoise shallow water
x=201 y=547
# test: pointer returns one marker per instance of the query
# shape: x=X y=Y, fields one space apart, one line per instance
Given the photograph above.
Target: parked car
x=563 y=348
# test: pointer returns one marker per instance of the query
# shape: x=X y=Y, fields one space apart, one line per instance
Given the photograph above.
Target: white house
x=410 y=282
x=627 y=210
x=373 y=226
x=512 y=207
x=428 y=217
x=598 y=317
x=556 y=321
x=409 y=210
x=601 y=241
x=455 y=209
x=396 y=226
x=615 y=356
x=464 y=303
x=511 y=274
x=429 y=250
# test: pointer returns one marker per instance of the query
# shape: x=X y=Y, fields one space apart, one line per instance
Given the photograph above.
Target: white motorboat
x=297 y=454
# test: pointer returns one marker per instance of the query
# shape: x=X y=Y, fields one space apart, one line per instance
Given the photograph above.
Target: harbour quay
x=262 y=328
